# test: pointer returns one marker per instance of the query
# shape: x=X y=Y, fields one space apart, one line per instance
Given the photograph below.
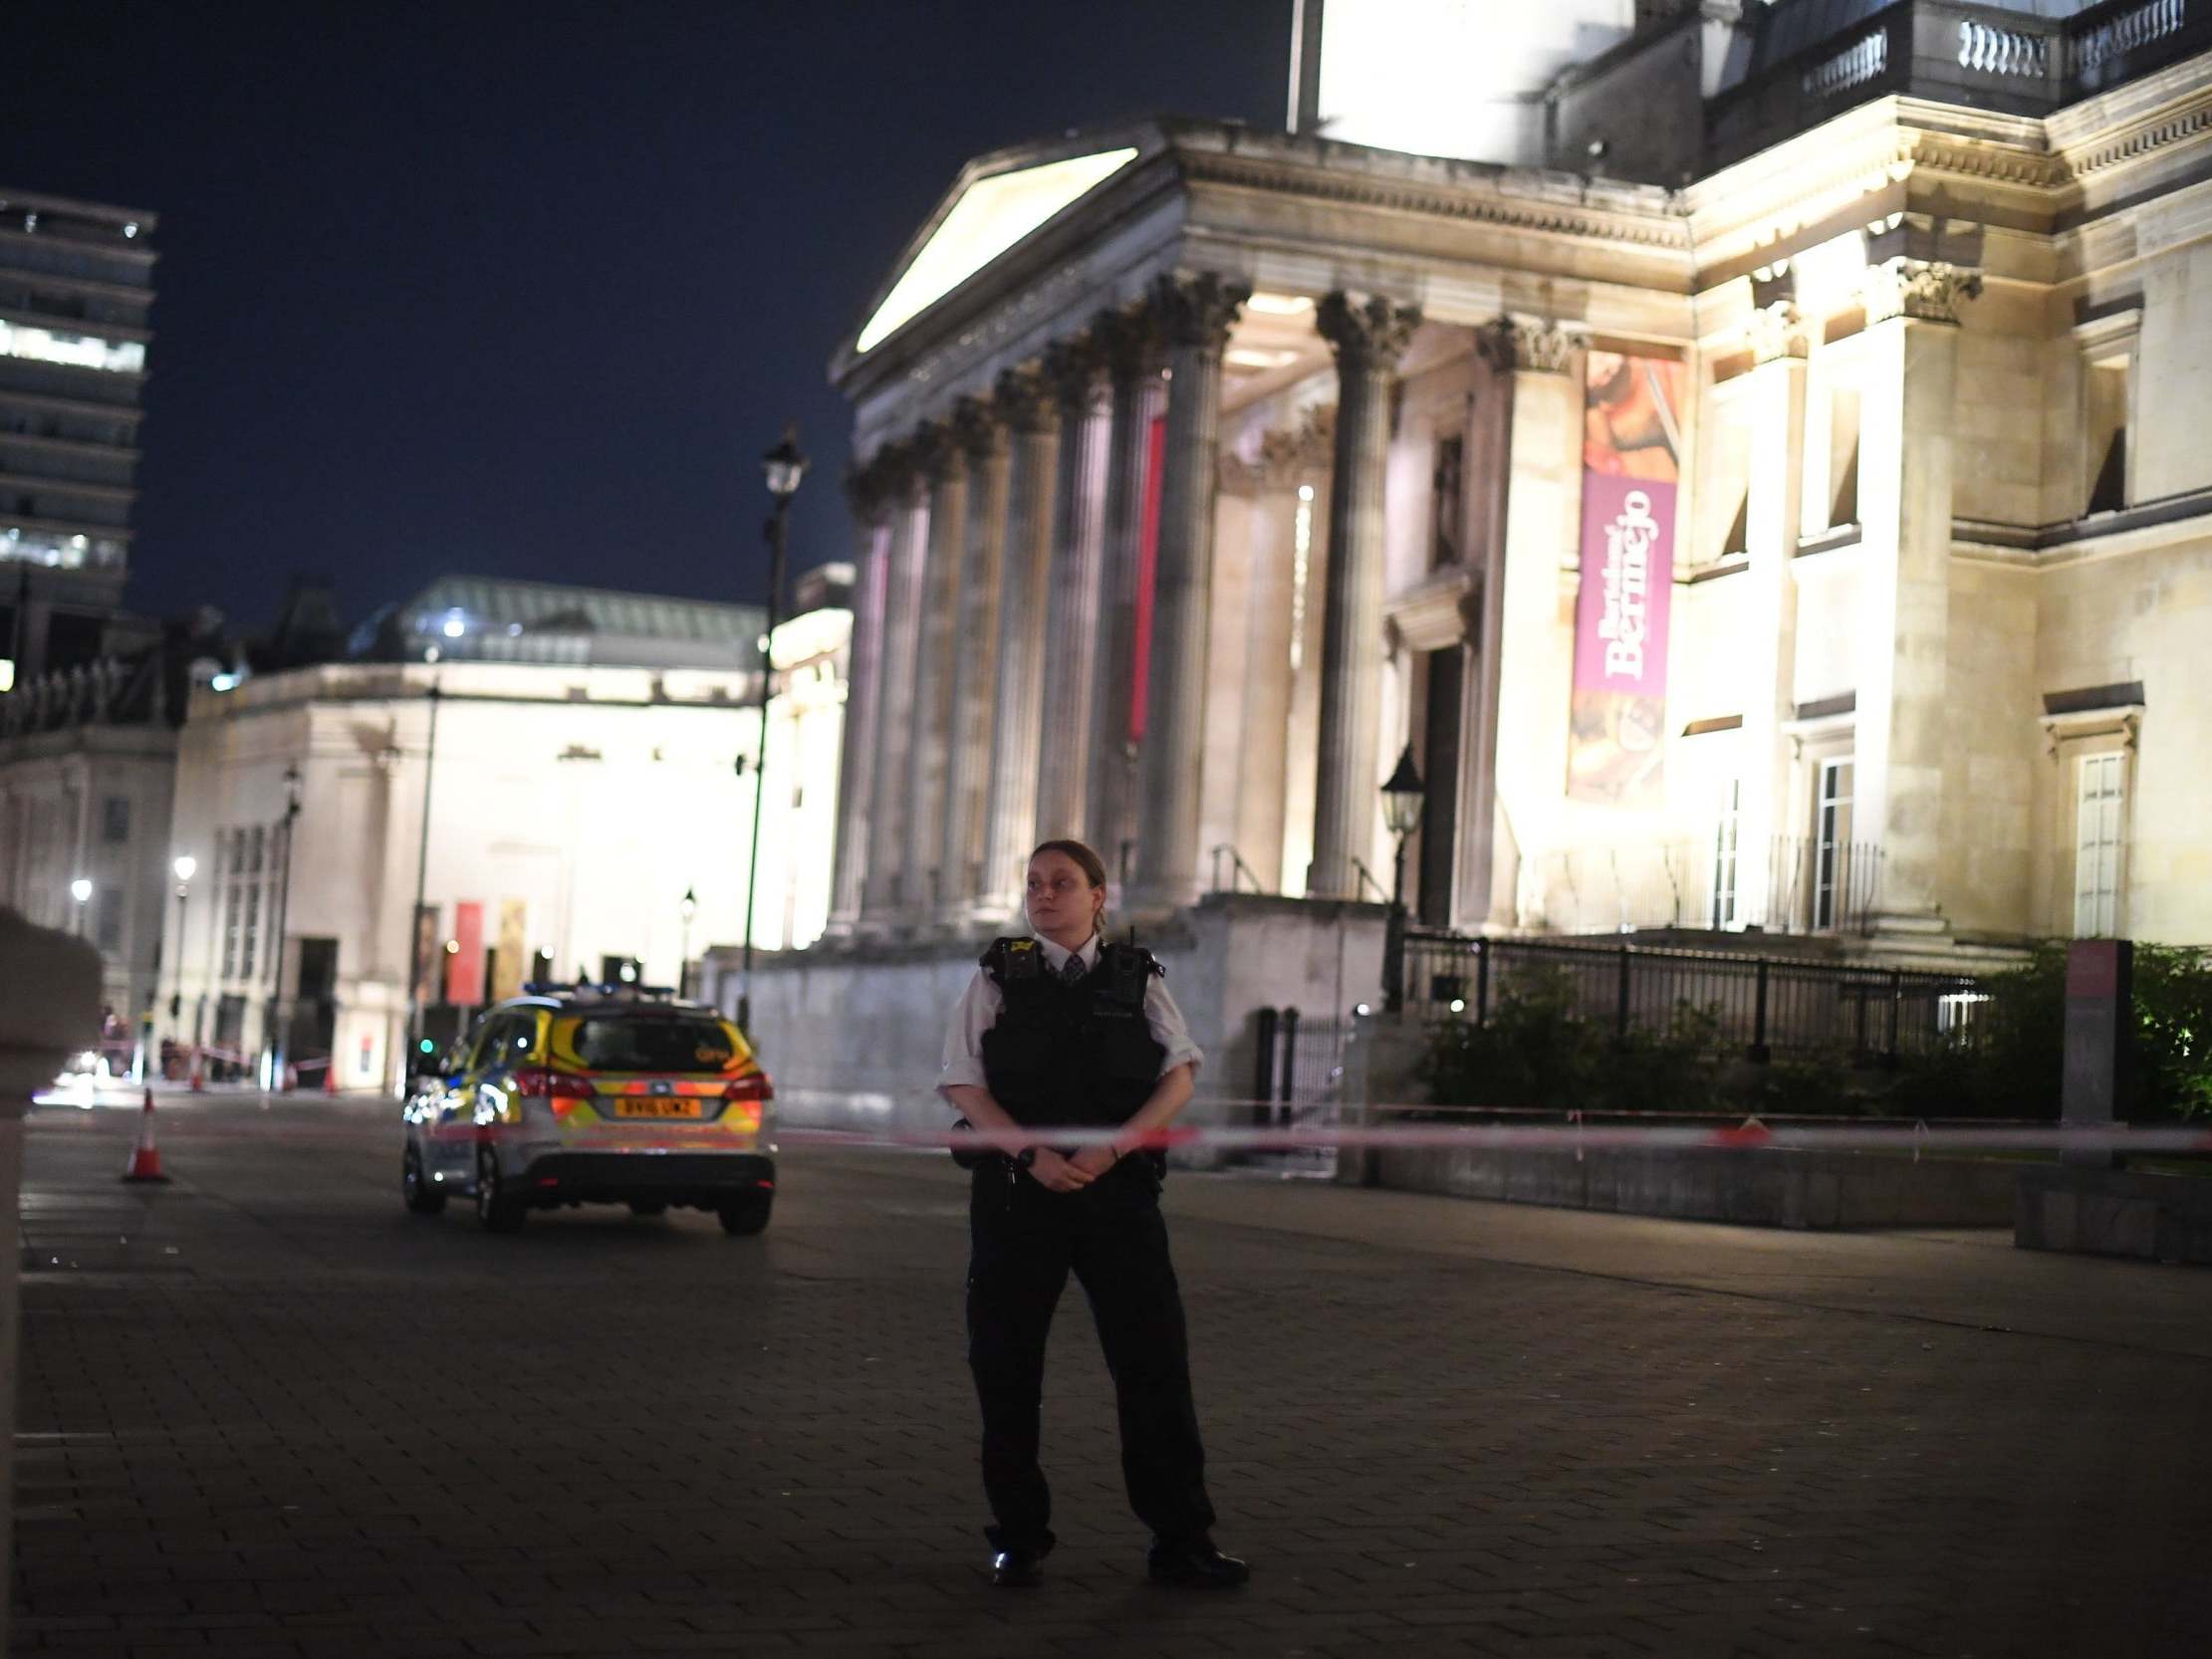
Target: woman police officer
x=1061 y=1031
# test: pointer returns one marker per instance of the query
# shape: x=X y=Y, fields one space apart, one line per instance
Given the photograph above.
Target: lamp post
x=784 y=466
x=687 y=907
x=275 y=1040
x=1401 y=813
x=82 y=891
x=185 y=867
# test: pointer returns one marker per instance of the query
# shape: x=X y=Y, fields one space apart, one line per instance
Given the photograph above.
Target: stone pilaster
x=1368 y=334
x=1768 y=639
x=931 y=711
x=1128 y=343
x=975 y=657
x=1194 y=316
x=1071 y=602
x=867 y=492
x=907 y=491
x=1026 y=403
x=1906 y=413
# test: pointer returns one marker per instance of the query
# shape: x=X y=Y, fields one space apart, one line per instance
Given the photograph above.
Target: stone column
x=975 y=658
x=1194 y=316
x=1769 y=640
x=907 y=491
x=1126 y=341
x=1072 y=590
x=1904 y=497
x=1368 y=334
x=1025 y=404
x=931 y=714
x=1534 y=530
x=865 y=491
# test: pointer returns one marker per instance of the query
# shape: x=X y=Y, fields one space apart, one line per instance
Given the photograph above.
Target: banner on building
x=464 y=963
x=1631 y=470
x=511 y=956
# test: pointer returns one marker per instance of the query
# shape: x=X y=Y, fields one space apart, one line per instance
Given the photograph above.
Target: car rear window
x=653 y=1043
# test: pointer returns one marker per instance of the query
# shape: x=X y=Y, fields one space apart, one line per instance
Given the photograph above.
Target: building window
x=254 y=861
x=251 y=937
x=2104 y=430
x=1723 y=527
x=108 y=923
x=1725 y=838
x=1447 y=501
x=115 y=820
x=2100 y=797
x=1831 y=844
x=1842 y=457
x=233 y=902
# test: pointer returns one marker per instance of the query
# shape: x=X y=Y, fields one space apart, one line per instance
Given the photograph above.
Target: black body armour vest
x=1071 y=1055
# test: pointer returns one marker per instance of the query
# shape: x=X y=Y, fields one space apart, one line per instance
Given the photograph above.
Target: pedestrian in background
x=1061 y=1031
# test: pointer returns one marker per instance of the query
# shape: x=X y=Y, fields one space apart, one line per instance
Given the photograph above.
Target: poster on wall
x=511 y=956
x=1631 y=470
x=464 y=964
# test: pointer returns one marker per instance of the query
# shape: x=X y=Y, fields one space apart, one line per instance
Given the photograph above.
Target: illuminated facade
x=592 y=762
x=1759 y=481
x=75 y=287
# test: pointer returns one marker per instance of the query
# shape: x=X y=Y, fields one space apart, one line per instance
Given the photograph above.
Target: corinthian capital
x=1926 y=290
x=1126 y=340
x=1070 y=369
x=1776 y=330
x=1024 y=400
x=1367 y=330
x=935 y=448
x=1196 y=310
x=1532 y=344
x=977 y=433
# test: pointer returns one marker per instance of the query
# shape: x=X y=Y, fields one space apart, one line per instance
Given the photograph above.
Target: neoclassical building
x=1768 y=492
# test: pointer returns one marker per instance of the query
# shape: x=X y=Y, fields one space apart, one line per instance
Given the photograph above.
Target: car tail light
x=752 y=1087
x=563 y=1088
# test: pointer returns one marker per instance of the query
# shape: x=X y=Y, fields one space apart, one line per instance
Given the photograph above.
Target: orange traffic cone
x=330 y=1075
x=146 y=1157
x=199 y=1080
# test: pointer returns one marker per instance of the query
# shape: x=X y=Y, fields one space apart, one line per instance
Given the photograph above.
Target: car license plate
x=656 y=1106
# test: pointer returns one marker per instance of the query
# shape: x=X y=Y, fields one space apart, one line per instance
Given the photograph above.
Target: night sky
x=525 y=288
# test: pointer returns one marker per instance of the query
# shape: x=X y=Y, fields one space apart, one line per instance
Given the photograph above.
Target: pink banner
x=1631 y=440
x=464 y=967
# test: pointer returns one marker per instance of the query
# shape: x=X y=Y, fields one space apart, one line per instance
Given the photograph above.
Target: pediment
x=986 y=216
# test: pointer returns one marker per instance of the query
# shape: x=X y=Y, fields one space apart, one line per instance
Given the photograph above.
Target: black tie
x=1071 y=970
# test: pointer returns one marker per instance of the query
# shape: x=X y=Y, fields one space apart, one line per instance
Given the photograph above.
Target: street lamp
x=784 y=467
x=185 y=867
x=1401 y=814
x=687 y=907
x=275 y=1040
x=82 y=891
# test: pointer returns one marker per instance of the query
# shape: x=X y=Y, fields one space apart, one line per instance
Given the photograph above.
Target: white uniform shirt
x=981 y=1002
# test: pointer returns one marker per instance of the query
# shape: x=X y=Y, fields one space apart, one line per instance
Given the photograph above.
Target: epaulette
x=1011 y=957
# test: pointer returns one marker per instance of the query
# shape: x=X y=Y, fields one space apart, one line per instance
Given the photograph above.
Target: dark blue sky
x=525 y=288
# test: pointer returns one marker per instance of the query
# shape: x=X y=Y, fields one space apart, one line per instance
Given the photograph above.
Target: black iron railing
x=1765 y=1006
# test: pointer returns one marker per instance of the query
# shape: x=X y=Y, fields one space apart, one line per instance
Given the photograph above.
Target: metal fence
x=1767 y=1006
x=1298 y=1084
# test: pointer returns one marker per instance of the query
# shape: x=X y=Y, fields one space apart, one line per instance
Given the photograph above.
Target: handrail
x=1368 y=877
x=1237 y=865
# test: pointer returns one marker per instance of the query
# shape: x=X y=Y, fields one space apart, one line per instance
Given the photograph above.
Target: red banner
x=1631 y=470
x=465 y=965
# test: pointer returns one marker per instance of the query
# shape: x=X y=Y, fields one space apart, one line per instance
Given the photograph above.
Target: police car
x=594 y=1094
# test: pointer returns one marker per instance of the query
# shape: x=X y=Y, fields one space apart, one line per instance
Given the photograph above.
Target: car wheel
x=746 y=1214
x=648 y=1206
x=422 y=1197
x=496 y=1208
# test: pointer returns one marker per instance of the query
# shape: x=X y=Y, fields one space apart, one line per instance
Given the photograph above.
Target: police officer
x=1060 y=1031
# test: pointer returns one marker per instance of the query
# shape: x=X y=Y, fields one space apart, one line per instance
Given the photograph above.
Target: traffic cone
x=199 y=1080
x=330 y=1075
x=146 y=1157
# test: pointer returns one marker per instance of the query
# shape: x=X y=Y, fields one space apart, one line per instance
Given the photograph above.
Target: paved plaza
x=265 y=1412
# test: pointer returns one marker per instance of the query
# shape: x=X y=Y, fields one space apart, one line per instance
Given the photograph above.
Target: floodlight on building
x=455 y=625
x=81 y=890
x=186 y=866
x=1279 y=304
x=223 y=682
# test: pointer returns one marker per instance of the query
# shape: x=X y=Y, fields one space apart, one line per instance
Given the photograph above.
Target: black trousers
x=1025 y=1240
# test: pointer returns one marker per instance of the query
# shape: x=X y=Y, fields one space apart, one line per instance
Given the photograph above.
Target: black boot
x=1197 y=1562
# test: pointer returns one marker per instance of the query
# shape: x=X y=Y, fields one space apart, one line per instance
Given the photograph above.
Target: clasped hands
x=1055 y=1173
